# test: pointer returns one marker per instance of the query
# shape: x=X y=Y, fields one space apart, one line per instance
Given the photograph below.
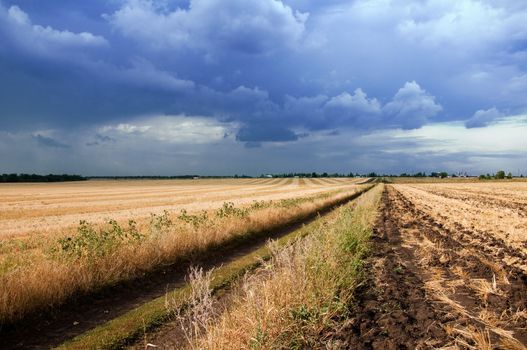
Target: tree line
x=309 y=174
x=500 y=175
x=40 y=178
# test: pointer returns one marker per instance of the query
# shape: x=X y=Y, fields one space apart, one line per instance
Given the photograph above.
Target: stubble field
x=36 y=208
x=61 y=240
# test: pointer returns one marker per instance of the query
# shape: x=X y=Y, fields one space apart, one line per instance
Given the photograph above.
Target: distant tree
x=509 y=175
x=482 y=177
x=40 y=178
x=500 y=175
x=443 y=174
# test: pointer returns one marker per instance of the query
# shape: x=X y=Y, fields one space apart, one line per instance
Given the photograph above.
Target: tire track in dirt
x=392 y=310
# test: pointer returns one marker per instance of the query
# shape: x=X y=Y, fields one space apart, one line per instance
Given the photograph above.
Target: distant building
x=268 y=175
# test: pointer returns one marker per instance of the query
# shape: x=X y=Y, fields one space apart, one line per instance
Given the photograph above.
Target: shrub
x=196 y=220
x=228 y=209
x=92 y=243
x=160 y=223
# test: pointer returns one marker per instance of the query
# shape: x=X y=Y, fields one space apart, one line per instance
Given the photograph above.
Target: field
x=451 y=261
x=129 y=228
x=29 y=209
x=353 y=264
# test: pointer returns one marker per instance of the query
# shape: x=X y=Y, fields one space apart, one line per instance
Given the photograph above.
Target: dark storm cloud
x=483 y=118
x=99 y=139
x=49 y=142
x=275 y=71
x=262 y=133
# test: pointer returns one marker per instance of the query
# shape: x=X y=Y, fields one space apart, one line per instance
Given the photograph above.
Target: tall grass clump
x=303 y=293
x=99 y=256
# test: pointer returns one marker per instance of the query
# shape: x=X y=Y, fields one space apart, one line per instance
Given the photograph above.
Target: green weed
x=92 y=243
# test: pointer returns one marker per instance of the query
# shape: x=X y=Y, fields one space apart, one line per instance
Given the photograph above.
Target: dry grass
x=471 y=335
x=302 y=293
x=200 y=312
x=52 y=273
x=474 y=338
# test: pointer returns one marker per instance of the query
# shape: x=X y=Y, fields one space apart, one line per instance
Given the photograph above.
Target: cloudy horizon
x=137 y=87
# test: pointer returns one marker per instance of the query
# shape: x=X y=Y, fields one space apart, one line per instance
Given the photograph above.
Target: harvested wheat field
x=29 y=209
x=62 y=243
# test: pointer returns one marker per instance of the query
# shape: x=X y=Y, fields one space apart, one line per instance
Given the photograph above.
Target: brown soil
x=392 y=310
x=430 y=287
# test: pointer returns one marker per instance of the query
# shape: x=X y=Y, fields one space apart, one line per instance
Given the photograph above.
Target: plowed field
x=448 y=270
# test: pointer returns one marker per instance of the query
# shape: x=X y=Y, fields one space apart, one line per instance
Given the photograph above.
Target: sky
x=222 y=87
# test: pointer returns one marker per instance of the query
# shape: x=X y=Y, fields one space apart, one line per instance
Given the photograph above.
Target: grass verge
x=305 y=292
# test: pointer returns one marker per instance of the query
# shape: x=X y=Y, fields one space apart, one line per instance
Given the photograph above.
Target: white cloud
x=411 y=107
x=483 y=118
x=355 y=109
x=126 y=128
x=170 y=129
x=249 y=26
x=467 y=24
x=453 y=137
x=356 y=103
x=40 y=39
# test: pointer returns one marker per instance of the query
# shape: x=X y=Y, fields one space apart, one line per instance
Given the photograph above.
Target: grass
x=304 y=292
x=132 y=325
x=99 y=256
